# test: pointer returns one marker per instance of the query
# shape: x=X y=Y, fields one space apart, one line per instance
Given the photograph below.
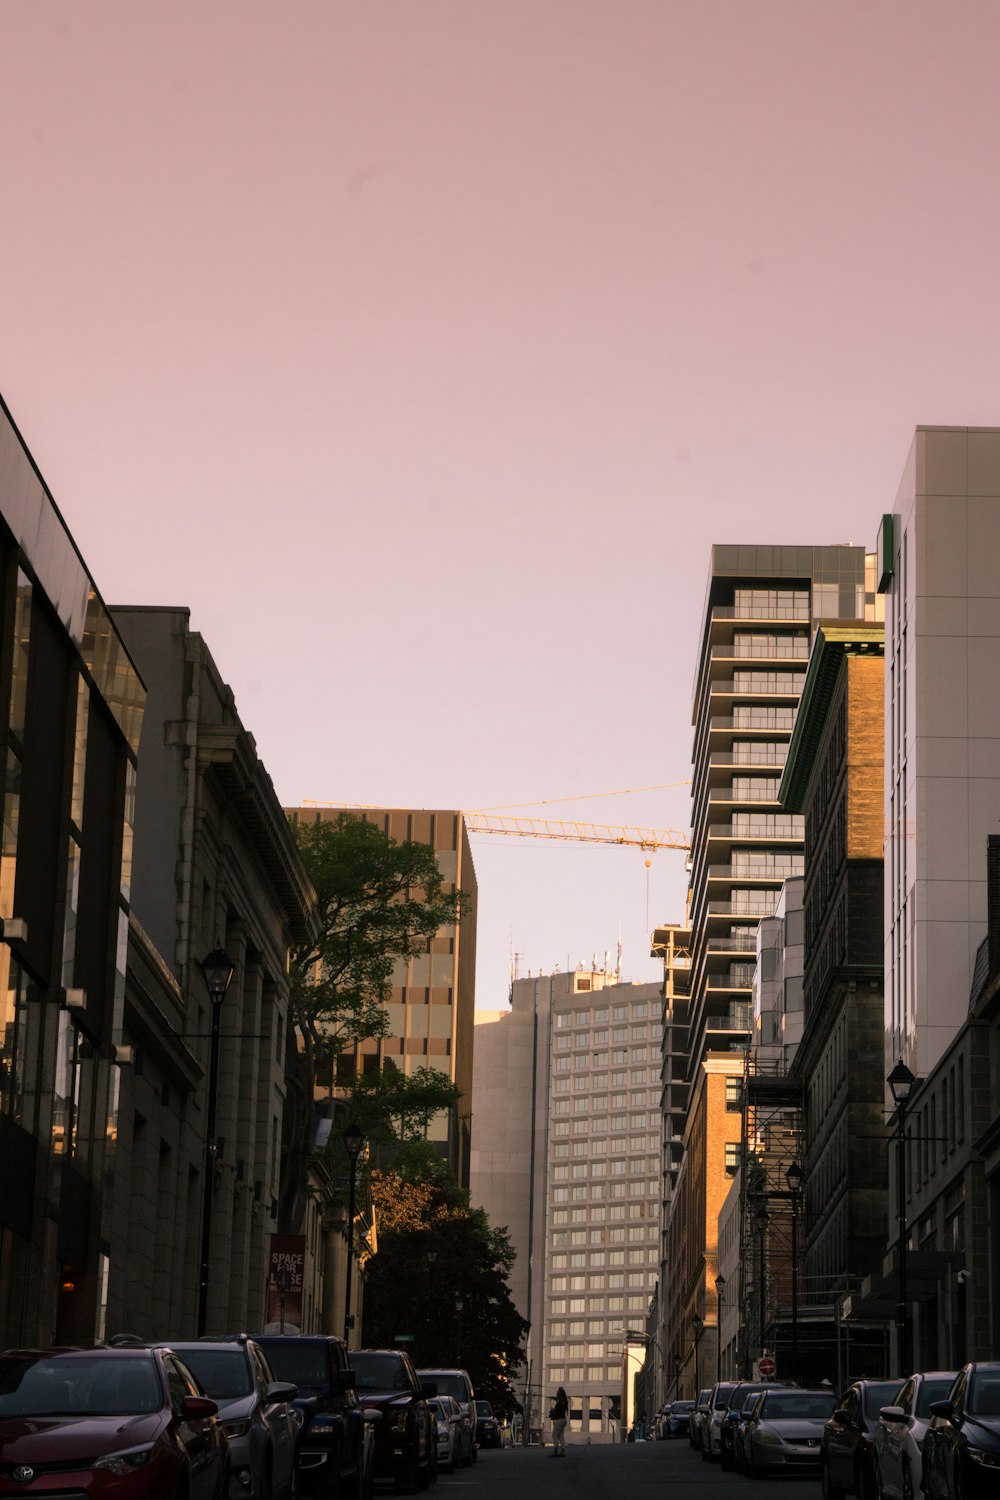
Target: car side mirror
x=281 y=1390
x=199 y=1406
x=347 y=1380
x=843 y=1416
x=371 y=1414
x=428 y=1391
x=892 y=1414
x=942 y=1409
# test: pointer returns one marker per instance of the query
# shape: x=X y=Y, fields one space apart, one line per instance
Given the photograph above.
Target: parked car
x=847 y=1447
x=448 y=1421
x=784 y=1429
x=698 y=1424
x=406 y=1437
x=900 y=1432
x=255 y=1410
x=677 y=1419
x=335 y=1458
x=126 y=1423
x=727 y=1417
x=742 y=1417
x=961 y=1457
x=487 y=1426
x=457 y=1383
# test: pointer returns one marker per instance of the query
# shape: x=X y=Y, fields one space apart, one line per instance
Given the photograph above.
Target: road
x=630 y=1471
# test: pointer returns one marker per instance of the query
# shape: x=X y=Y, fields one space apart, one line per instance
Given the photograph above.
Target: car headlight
x=764 y=1435
x=237 y=1429
x=980 y=1456
x=125 y=1462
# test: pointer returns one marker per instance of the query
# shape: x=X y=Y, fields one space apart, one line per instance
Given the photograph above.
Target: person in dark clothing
x=558 y=1415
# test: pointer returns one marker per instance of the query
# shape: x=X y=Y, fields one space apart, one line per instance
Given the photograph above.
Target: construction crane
x=575 y=832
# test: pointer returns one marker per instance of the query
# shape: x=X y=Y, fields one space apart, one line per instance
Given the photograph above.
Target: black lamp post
x=720 y=1286
x=793 y=1177
x=677 y=1377
x=901 y=1082
x=763 y=1219
x=354 y=1142
x=697 y=1324
x=218 y=969
x=459 y=1304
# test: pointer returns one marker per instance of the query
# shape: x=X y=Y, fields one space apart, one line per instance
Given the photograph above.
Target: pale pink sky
x=425 y=348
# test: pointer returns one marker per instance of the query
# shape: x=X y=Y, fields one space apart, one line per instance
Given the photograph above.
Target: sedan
x=899 y=1436
x=125 y=1423
x=256 y=1413
x=783 y=1432
x=847 y=1450
x=962 y=1447
x=448 y=1420
x=678 y=1419
x=487 y=1426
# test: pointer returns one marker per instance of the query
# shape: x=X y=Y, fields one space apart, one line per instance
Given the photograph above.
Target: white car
x=448 y=1419
x=900 y=1433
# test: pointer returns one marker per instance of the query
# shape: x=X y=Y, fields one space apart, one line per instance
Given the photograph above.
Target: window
x=732 y=1158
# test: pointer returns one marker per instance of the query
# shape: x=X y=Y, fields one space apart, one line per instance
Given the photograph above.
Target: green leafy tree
x=379 y=900
x=434 y=1251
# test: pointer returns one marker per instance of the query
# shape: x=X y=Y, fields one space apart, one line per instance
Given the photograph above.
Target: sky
x=425 y=347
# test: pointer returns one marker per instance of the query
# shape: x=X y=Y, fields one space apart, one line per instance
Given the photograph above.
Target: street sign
x=403 y=1338
x=765 y=1367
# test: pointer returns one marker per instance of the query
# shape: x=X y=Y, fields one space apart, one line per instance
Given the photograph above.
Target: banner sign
x=285 y=1280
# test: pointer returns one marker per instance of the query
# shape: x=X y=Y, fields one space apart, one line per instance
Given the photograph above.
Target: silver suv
x=456 y=1383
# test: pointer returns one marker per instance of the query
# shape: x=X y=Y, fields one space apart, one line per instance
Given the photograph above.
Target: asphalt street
x=630 y=1471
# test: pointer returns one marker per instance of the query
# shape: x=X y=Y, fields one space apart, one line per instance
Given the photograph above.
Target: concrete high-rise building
x=672 y=944
x=567 y=1155
x=434 y=994
x=938 y=561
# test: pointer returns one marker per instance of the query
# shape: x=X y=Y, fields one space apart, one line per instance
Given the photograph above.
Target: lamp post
x=459 y=1304
x=720 y=1285
x=901 y=1082
x=763 y=1219
x=354 y=1142
x=793 y=1177
x=677 y=1377
x=218 y=970
x=697 y=1324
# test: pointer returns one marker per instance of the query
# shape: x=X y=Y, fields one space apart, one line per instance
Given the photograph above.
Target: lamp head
x=459 y=1303
x=218 y=969
x=354 y=1141
x=793 y=1176
x=763 y=1218
x=720 y=1282
x=697 y=1323
x=901 y=1082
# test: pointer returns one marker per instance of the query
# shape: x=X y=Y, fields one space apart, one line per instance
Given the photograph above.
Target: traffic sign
x=403 y=1338
x=765 y=1367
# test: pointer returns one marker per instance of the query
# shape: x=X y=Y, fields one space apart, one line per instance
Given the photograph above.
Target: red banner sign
x=285 y=1279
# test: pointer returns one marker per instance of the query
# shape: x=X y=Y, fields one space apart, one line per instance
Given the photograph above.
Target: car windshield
x=932 y=1390
x=805 y=1406
x=78 y=1385
x=484 y=1409
x=741 y=1396
x=379 y=1372
x=984 y=1396
x=223 y=1374
x=681 y=1405
x=448 y=1385
x=879 y=1395
x=302 y=1364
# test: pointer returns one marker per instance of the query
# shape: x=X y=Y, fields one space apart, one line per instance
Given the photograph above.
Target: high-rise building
x=761 y=611
x=672 y=944
x=584 y=1098
x=938 y=554
x=434 y=994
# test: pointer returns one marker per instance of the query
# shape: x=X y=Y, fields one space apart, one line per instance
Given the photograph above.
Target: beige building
x=433 y=995
x=567 y=1126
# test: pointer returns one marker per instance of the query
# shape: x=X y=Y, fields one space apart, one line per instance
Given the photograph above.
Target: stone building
x=214 y=863
x=71 y=705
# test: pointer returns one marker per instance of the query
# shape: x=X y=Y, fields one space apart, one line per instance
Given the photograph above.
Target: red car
x=128 y=1423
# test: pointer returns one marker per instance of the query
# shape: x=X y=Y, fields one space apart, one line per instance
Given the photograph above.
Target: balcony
x=792 y=650
x=761 y=612
x=744 y=942
x=742 y=1021
x=795 y=833
x=776 y=869
x=727 y=982
x=754 y=909
x=759 y=685
x=766 y=792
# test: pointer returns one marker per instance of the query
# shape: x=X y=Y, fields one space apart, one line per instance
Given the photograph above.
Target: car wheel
x=864 y=1484
x=830 y=1490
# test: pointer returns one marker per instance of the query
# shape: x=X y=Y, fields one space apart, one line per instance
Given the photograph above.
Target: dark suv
x=335 y=1448
x=406 y=1436
x=847 y=1447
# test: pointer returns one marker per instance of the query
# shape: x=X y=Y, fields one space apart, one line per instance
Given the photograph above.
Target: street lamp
x=901 y=1082
x=697 y=1324
x=218 y=969
x=793 y=1177
x=459 y=1304
x=763 y=1219
x=354 y=1143
x=720 y=1284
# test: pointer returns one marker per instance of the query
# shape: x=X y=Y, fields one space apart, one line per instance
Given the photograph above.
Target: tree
x=433 y=1251
x=378 y=900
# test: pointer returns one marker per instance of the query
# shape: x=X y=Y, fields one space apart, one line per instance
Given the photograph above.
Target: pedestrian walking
x=557 y=1416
